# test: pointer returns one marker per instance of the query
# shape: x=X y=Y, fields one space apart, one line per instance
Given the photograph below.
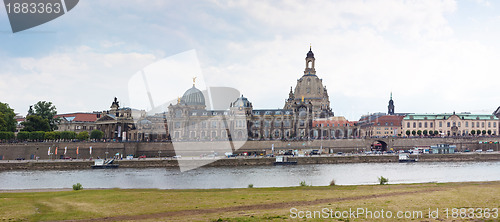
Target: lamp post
x=159 y=154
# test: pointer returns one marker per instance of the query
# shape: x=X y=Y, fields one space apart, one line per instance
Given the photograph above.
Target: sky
x=434 y=56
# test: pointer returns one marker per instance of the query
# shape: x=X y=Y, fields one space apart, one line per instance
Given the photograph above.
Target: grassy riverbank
x=252 y=204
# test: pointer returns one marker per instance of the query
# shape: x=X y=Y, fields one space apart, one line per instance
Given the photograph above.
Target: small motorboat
x=101 y=164
x=283 y=160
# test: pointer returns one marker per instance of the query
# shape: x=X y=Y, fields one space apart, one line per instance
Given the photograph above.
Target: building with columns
x=451 y=124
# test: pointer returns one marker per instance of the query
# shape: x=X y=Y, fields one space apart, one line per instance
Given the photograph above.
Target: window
x=177 y=125
x=257 y=124
x=482 y=124
x=267 y=123
x=431 y=124
x=419 y=125
x=448 y=124
x=494 y=124
x=214 y=124
x=440 y=124
x=425 y=124
x=459 y=124
x=472 y=124
x=408 y=125
x=466 y=124
x=203 y=124
x=277 y=123
x=414 y=125
x=287 y=123
x=489 y=124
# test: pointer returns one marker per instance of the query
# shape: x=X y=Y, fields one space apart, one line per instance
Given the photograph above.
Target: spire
x=391 y=95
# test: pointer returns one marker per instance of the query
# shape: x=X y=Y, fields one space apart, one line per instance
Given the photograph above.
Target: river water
x=259 y=176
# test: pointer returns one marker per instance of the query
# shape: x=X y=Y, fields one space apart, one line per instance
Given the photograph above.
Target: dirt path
x=252 y=207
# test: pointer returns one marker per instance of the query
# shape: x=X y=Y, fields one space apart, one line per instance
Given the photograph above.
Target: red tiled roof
x=81 y=117
x=395 y=120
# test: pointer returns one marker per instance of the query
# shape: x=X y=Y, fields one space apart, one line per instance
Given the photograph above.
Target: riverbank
x=240 y=161
x=428 y=201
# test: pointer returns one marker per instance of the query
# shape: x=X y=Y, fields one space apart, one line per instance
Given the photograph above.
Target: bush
x=303 y=183
x=250 y=185
x=50 y=135
x=382 y=180
x=37 y=135
x=23 y=135
x=6 y=135
x=332 y=183
x=68 y=135
x=77 y=186
x=96 y=134
x=84 y=135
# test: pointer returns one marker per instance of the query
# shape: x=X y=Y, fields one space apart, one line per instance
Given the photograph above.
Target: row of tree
x=54 y=135
x=435 y=132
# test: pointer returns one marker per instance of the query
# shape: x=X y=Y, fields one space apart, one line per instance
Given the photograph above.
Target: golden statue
x=194 y=80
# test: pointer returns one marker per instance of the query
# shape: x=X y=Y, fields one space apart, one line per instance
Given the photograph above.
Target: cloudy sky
x=435 y=56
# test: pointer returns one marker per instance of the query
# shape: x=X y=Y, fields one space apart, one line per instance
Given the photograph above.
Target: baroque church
x=189 y=119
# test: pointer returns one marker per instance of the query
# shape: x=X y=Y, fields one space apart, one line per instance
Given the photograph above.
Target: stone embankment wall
x=154 y=149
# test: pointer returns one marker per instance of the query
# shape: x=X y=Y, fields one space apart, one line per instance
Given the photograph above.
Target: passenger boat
x=101 y=164
x=405 y=157
x=283 y=160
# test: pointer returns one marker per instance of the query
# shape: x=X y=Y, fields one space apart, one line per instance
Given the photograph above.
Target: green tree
x=425 y=132
x=473 y=132
x=6 y=135
x=408 y=132
x=35 y=123
x=50 y=135
x=489 y=132
x=419 y=132
x=68 y=135
x=96 y=134
x=84 y=135
x=431 y=133
x=413 y=132
x=47 y=111
x=37 y=135
x=23 y=135
x=484 y=132
x=436 y=132
x=7 y=118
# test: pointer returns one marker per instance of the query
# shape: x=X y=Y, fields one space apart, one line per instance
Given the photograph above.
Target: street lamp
x=159 y=154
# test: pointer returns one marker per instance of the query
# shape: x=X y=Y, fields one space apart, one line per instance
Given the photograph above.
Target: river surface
x=259 y=176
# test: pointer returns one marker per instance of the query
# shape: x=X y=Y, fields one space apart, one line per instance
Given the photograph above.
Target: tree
x=35 y=123
x=436 y=132
x=23 y=135
x=84 y=135
x=489 y=132
x=419 y=132
x=68 y=135
x=484 y=132
x=413 y=132
x=473 y=132
x=37 y=135
x=96 y=134
x=431 y=133
x=47 y=111
x=425 y=132
x=7 y=118
x=408 y=132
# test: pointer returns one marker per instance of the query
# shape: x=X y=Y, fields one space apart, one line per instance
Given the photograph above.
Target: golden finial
x=302 y=98
x=194 y=80
x=178 y=100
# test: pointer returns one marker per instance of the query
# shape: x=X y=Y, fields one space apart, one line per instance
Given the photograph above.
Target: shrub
x=37 y=135
x=84 y=135
x=382 y=180
x=332 y=183
x=303 y=183
x=23 y=135
x=77 y=186
x=96 y=134
x=250 y=185
x=6 y=135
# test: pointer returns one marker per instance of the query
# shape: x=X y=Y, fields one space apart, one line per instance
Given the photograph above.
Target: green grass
x=86 y=204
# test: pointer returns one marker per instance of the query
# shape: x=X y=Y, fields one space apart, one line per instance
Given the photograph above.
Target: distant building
x=335 y=128
x=117 y=123
x=451 y=124
x=77 y=122
x=381 y=126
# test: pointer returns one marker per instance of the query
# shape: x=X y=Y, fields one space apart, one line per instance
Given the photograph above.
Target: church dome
x=242 y=102
x=193 y=97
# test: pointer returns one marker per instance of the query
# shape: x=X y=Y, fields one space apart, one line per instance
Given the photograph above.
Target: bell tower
x=390 y=107
x=310 y=63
